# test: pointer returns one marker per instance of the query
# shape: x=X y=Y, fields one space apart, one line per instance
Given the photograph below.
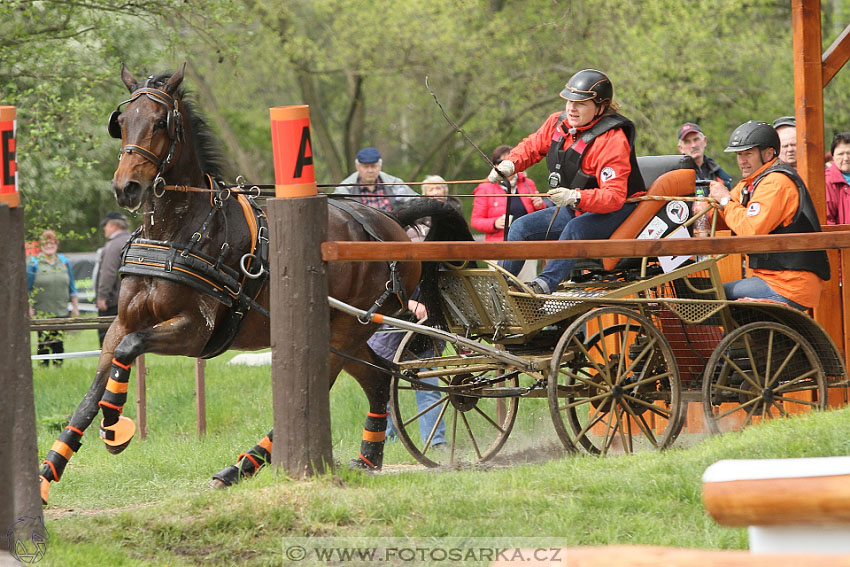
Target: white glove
x=564 y=197
x=506 y=167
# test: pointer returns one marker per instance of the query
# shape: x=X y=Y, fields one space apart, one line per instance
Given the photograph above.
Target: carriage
x=619 y=352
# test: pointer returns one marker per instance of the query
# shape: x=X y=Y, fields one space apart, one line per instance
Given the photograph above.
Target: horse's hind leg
x=376 y=386
x=246 y=465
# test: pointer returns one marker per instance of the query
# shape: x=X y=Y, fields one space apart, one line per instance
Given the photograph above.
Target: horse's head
x=151 y=129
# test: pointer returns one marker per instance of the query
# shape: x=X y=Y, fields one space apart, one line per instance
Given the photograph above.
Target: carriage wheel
x=762 y=370
x=614 y=384
x=473 y=428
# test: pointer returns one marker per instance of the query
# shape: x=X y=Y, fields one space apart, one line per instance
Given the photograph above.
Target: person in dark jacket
x=107 y=284
x=692 y=142
x=771 y=199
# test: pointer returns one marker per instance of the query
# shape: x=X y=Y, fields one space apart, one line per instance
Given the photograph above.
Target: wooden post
x=300 y=331
x=808 y=98
x=200 y=397
x=19 y=493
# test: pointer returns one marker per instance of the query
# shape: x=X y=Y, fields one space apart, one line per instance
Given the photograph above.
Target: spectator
x=838 y=181
x=786 y=128
x=589 y=149
x=374 y=187
x=50 y=282
x=771 y=199
x=491 y=211
x=436 y=187
x=692 y=142
x=106 y=281
x=493 y=214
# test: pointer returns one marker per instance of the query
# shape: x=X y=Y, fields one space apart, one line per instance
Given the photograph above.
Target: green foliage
x=496 y=66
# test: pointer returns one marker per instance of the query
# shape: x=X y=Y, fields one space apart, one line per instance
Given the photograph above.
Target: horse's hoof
x=44 y=486
x=361 y=465
x=118 y=435
x=225 y=478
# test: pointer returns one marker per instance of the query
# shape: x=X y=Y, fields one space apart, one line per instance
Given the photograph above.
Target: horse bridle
x=173 y=126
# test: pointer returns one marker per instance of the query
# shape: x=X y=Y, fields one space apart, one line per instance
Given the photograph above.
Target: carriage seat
x=672 y=176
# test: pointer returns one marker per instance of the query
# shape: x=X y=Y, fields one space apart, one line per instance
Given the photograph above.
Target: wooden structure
x=813 y=70
x=300 y=315
x=790 y=505
x=19 y=494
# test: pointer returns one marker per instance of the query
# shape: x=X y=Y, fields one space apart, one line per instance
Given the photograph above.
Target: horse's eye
x=159 y=124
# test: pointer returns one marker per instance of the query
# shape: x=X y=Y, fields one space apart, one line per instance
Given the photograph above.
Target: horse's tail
x=447 y=224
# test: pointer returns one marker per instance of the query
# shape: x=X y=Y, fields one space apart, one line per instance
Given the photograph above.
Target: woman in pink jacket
x=490 y=209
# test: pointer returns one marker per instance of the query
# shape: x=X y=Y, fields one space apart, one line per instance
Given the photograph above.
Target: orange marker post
x=8 y=167
x=294 y=175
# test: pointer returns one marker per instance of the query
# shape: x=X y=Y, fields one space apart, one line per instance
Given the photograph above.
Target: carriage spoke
x=798 y=401
x=741 y=372
x=651 y=407
x=644 y=427
x=583 y=401
x=489 y=419
x=426 y=410
x=471 y=435
x=751 y=357
x=784 y=386
x=434 y=427
x=648 y=380
x=785 y=363
x=740 y=407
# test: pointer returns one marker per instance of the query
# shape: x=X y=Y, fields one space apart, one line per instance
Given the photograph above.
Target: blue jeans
x=566 y=226
x=425 y=398
x=756 y=288
x=385 y=343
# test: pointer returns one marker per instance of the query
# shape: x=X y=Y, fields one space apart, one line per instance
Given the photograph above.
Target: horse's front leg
x=175 y=336
x=108 y=391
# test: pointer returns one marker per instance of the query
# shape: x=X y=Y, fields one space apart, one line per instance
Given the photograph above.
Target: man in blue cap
x=371 y=186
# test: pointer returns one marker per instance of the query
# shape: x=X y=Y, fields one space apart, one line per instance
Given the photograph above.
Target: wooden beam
x=836 y=56
x=427 y=251
x=808 y=98
x=653 y=556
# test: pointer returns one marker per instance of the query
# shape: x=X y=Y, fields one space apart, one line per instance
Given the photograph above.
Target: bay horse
x=186 y=288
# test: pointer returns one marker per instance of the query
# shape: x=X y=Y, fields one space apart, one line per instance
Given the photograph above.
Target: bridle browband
x=174 y=129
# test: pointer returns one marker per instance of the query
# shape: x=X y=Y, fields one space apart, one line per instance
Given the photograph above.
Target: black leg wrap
x=68 y=443
x=248 y=463
x=372 y=446
x=228 y=476
x=115 y=396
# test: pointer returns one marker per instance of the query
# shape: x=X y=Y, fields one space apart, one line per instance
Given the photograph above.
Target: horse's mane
x=207 y=146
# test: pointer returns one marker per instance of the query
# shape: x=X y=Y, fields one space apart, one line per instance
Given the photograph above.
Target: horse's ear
x=175 y=80
x=128 y=78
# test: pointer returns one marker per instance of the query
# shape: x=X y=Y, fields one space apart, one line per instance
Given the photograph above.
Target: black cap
x=112 y=215
x=785 y=121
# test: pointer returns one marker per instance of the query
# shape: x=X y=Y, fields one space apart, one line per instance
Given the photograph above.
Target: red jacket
x=837 y=197
x=487 y=208
x=607 y=160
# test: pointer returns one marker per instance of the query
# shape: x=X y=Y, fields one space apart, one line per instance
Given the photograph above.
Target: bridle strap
x=171 y=104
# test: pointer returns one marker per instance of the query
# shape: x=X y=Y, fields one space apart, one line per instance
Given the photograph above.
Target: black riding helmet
x=753 y=134
x=589 y=84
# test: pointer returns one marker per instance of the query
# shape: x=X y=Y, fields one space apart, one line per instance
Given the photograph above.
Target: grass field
x=150 y=505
